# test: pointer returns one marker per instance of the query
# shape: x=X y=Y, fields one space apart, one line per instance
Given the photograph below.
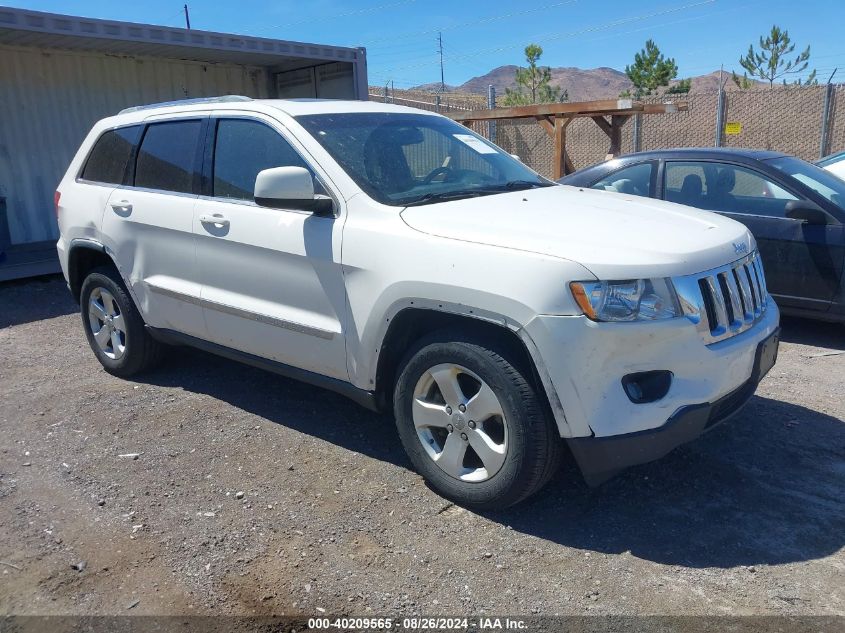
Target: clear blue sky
x=478 y=35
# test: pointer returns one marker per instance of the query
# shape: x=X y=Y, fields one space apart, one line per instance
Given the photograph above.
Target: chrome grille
x=725 y=301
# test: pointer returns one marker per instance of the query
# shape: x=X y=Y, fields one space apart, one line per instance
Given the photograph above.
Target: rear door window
x=634 y=180
x=686 y=183
x=111 y=153
x=168 y=156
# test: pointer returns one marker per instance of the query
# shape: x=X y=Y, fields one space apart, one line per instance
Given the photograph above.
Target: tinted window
x=244 y=148
x=725 y=187
x=635 y=180
x=107 y=160
x=819 y=180
x=167 y=157
x=405 y=158
x=686 y=183
x=437 y=153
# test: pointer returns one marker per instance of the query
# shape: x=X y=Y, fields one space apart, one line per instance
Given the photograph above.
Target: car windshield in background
x=822 y=182
x=413 y=159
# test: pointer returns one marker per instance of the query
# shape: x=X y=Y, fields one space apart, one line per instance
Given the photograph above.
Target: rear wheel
x=472 y=422
x=114 y=327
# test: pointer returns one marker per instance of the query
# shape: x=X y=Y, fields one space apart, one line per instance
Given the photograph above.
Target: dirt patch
x=750 y=519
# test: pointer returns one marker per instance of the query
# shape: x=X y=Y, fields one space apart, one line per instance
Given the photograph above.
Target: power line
x=654 y=26
x=471 y=23
x=559 y=35
x=381 y=80
x=169 y=21
x=733 y=9
x=336 y=16
x=463 y=59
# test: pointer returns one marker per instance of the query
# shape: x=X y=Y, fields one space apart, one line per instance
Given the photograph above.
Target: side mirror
x=290 y=188
x=516 y=156
x=806 y=211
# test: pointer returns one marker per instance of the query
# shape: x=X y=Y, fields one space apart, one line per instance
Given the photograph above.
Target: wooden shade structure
x=609 y=114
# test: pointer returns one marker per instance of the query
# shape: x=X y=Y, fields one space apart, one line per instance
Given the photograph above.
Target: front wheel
x=114 y=327
x=472 y=422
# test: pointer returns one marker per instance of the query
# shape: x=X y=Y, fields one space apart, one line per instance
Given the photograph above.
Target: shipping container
x=60 y=73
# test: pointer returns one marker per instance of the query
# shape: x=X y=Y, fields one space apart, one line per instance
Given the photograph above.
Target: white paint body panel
x=280 y=264
x=616 y=236
x=837 y=168
x=155 y=250
x=322 y=291
x=587 y=361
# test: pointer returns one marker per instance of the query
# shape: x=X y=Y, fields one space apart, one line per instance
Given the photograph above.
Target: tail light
x=56 y=198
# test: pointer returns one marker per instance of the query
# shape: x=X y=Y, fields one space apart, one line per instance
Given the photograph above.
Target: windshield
x=819 y=180
x=411 y=159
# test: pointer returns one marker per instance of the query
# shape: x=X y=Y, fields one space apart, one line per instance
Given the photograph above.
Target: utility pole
x=828 y=101
x=440 y=50
x=491 y=104
x=720 y=111
x=187 y=18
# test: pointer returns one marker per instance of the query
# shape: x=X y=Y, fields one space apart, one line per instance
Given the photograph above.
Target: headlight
x=629 y=300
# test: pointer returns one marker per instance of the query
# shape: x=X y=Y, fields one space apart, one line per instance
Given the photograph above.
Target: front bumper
x=600 y=458
x=582 y=364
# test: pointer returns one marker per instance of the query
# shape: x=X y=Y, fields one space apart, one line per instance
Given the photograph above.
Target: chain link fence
x=798 y=120
x=444 y=103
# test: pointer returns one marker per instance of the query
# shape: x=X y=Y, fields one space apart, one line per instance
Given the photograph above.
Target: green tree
x=680 y=88
x=533 y=84
x=744 y=83
x=773 y=61
x=650 y=70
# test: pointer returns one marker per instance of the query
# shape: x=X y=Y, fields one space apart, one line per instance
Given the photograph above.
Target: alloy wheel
x=106 y=323
x=460 y=422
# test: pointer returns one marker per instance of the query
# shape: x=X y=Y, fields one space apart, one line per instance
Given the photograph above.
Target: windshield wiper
x=445 y=195
x=511 y=185
x=516 y=185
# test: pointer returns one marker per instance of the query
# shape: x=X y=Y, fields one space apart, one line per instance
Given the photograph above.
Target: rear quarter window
x=111 y=153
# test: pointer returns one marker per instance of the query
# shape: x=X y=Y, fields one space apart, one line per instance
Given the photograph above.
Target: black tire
x=141 y=351
x=533 y=446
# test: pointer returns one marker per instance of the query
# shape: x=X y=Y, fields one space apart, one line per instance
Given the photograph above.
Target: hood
x=615 y=236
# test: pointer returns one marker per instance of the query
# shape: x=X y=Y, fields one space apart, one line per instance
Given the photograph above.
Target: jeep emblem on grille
x=740 y=247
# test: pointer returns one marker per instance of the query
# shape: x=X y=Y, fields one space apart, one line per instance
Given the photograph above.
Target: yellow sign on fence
x=733 y=128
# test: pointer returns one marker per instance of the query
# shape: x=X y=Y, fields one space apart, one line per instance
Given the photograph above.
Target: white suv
x=394 y=256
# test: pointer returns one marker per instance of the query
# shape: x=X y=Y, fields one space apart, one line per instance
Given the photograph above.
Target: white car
x=394 y=256
x=835 y=164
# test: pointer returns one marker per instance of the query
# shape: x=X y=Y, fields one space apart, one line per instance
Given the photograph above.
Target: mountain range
x=581 y=84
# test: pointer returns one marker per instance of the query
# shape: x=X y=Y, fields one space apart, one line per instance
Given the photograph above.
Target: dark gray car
x=795 y=210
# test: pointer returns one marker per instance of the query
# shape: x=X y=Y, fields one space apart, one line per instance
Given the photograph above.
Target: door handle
x=122 y=207
x=215 y=219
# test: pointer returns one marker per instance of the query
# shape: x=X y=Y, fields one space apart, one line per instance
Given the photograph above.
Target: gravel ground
x=253 y=494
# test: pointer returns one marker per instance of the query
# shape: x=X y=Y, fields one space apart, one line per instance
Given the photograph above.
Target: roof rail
x=164 y=104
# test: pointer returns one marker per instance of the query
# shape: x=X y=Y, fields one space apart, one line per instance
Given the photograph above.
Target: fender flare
x=492 y=318
x=87 y=243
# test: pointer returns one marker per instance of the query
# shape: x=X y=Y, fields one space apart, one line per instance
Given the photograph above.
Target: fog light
x=647 y=386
